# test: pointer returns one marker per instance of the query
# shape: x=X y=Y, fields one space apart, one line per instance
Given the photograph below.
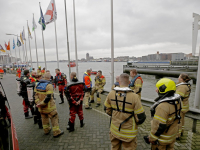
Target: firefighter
x=46 y=105
x=1 y=73
x=116 y=84
x=39 y=71
x=24 y=80
x=32 y=76
x=19 y=72
x=75 y=94
x=166 y=116
x=126 y=113
x=88 y=86
x=100 y=81
x=136 y=82
x=43 y=71
x=61 y=82
x=183 y=88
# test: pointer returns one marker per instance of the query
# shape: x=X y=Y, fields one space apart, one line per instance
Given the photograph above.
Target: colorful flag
x=23 y=35
x=29 y=33
x=51 y=13
x=13 y=44
x=1 y=49
x=41 y=20
x=18 y=42
x=21 y=38
x=8 y=47
x=34 y=25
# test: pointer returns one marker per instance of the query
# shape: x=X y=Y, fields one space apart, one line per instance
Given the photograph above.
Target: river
x=148 y=90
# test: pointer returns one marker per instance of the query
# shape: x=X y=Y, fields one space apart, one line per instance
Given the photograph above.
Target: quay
x=93 y=136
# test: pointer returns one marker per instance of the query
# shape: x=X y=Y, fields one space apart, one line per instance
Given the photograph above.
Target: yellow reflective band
x=55 y=128
x=138 y=85
x=167 y=136
x=160 y=118
x=139 y=110
x=169 y=119
x=180 y=93
x=122 y=135
x=37 y=100
x=153 y=136
x=107 y=105
x=45 y=126
x=167 y=141
x=123 y=130
x=120 y=107
x=185 y=106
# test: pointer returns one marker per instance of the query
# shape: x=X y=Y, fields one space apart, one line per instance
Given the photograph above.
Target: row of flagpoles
x=49 y=17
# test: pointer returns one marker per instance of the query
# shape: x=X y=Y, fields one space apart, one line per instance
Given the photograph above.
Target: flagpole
x=67 y=39
x=29 y=45
x=75 y=40
x=36 y=45
x=56 y=43
x=112 y=45
x=43 y=43
x=15 y=55
x=26 y=58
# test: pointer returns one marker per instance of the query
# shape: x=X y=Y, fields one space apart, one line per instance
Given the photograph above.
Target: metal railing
x=192 y=113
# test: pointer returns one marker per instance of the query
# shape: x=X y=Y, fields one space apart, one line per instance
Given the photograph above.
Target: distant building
x=87 y=56
x=123 y=58
x=177 y=56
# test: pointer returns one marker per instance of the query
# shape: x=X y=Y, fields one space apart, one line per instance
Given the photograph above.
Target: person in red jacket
x=61 y=82
x=1 y=73
x=32 y=77
x=19 y=72
x=75 y=94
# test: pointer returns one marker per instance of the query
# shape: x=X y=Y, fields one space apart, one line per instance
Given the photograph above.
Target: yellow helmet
x=39 y=67
x=165 y=85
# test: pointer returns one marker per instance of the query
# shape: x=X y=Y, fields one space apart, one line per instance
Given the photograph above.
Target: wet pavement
x=93 y=136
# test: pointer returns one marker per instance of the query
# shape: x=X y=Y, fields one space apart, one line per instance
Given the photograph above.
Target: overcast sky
x=141 y=27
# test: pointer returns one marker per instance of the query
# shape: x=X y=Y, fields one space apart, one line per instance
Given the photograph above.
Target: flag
x=21 y=38
x=41 y=20
x=34 y=25
x=29 y=33
x=51 y=13
x=18 y=42
x=8 y=46
x=23 y=35
x=1 y=49
x=13 y=44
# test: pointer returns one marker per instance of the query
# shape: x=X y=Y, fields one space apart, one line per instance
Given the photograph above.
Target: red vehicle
x=72 y=64
x=8 y=135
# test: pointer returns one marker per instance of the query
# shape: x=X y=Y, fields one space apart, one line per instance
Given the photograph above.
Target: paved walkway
x=93 y=136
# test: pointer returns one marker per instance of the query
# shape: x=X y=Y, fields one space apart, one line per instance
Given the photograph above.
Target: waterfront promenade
x=93 y=136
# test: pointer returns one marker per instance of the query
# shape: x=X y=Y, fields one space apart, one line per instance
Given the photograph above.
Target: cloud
x=140 y=28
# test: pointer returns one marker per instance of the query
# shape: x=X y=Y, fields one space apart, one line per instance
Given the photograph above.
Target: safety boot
x=62 y=99
x=81 y=123
x=35 y=119
x=70 y=127
x=40 y=124
x=61 y=133
x=91 y=101
x=98 y=105
x=27 y=115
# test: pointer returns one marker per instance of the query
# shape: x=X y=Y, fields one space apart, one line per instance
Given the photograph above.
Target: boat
x=93 y=72
x=72 y=64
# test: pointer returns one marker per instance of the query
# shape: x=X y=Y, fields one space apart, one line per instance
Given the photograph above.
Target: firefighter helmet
x=165 y=85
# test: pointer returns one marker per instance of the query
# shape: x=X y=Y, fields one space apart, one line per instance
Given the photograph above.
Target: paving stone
x=93 y=136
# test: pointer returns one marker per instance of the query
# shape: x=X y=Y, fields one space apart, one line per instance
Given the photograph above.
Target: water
x=148 y=90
